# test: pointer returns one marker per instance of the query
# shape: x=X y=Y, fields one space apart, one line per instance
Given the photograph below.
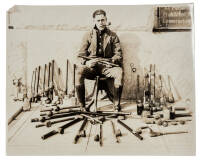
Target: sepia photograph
x=100 y=80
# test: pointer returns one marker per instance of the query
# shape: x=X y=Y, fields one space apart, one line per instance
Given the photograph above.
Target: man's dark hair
x=99 y=12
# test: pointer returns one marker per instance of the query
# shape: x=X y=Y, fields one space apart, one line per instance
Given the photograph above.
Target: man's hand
x=92 y=63
x=110 y=72
x=115 y=59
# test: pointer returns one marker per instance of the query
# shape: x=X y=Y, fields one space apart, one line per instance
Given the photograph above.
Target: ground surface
x=24 y=139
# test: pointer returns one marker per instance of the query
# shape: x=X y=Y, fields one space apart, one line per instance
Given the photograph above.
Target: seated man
x=100 y=43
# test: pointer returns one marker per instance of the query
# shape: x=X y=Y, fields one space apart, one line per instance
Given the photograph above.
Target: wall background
x=43 y=33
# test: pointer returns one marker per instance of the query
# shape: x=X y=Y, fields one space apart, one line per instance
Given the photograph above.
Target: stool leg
x=92 y=94
x=96 y=92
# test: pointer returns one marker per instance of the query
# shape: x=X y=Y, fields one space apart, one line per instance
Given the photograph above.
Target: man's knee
x=80 y=70
x=118 y=76
x=117 y=73
x=79 y=75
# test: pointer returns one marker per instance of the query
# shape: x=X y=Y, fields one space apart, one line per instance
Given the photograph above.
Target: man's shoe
x=117 y=108
x=117 y=98
x=83 y=109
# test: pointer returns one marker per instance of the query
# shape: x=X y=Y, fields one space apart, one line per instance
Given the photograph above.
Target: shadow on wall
x=130 y=44
x=59 y=77
x=174 y=88
x=16 y=65
x=131 y=47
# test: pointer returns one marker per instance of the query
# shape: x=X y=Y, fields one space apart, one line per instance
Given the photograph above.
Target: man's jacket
x=111 y=45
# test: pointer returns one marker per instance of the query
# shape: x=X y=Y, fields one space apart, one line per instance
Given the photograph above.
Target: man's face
x=100 y=21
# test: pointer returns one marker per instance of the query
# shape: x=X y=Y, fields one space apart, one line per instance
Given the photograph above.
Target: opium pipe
x=38 y=81
x=66 y=88
x=44 y=80
x=35 y=81
x=49 y=70
x=32 y=81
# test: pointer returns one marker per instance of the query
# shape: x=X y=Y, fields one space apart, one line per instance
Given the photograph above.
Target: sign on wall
x=172 y=19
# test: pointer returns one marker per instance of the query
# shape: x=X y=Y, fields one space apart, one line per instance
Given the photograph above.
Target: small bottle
x=140 y=107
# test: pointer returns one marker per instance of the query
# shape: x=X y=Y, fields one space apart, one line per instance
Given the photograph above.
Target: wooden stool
x=96 y=89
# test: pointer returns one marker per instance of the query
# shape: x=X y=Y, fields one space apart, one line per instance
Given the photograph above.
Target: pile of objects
x=158 y=106
x=151 y=109
x=74 y=115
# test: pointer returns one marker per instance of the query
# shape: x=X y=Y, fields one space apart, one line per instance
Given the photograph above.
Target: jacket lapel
x=94 y=41
x=106 y=40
